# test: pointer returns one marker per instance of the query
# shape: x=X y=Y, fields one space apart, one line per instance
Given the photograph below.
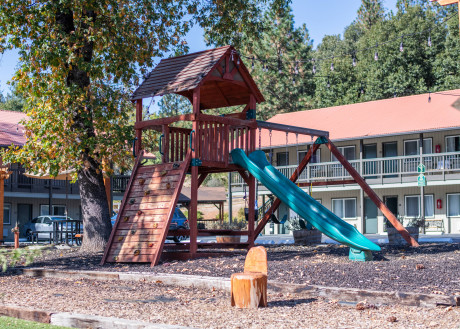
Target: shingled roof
x=11 y=132
x=182 y=74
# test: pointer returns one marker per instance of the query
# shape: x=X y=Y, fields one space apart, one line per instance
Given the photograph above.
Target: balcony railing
x=18 y=182
x=439 y=166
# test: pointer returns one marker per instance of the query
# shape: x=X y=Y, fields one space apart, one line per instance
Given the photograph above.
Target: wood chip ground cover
x=431 y=268
x=157 y=303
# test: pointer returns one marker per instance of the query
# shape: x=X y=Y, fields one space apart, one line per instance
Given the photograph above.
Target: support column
x=230 y=198
x=252 y=180
x=422 y=188
x=361 y=192
x=193 y=212
x=138 y=146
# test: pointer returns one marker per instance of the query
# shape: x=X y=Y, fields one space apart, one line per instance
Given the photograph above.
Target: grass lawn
x=13 y=323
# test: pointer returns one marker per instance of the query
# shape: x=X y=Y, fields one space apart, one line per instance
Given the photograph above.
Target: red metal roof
x=11 y=132
x=182 y=74
x=393 y=116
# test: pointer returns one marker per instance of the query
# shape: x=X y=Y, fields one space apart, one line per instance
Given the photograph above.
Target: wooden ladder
x=146 y=212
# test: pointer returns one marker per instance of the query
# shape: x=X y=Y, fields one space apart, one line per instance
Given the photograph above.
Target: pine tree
x=282 y=66
x=370 y=13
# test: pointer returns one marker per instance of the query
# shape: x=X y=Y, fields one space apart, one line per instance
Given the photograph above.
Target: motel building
x=385 y=141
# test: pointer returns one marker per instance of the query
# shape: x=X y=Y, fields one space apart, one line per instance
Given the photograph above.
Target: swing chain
x=297 y=152
x=271 y=151
x=260 y=138
x=286 y=147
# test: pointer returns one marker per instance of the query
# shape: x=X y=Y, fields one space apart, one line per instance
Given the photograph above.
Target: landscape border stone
x=347 y=295
x=79 y=320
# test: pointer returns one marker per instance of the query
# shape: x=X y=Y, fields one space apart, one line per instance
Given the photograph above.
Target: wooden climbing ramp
x=146 y=212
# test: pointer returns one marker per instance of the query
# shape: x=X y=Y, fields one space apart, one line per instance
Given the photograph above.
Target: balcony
x=18 y=182
x=439 y=167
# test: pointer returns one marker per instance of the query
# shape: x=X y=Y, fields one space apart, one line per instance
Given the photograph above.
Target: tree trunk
x=94 y=205
x=95 y=211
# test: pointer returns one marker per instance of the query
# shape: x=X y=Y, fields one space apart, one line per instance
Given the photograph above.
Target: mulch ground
x=431 y=268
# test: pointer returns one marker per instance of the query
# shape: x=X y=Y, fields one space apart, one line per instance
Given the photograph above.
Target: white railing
x=437 y=165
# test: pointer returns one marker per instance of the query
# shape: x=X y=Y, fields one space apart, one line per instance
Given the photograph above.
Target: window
x=347 y=151
x=453 y=144
x=344 y=208
x=316 y=157
x=58 y=210
x=413 y=206
x=411 y=147
x=6 y=214
x=453 y=205
x=282 y=159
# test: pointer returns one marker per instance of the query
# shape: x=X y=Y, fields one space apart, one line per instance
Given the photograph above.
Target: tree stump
x=249 y=290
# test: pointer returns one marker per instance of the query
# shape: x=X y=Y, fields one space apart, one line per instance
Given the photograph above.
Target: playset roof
x=208 y=69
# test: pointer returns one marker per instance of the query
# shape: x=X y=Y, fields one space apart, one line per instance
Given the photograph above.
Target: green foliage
x=11 y=257
x=280 y=48
x=12 y=102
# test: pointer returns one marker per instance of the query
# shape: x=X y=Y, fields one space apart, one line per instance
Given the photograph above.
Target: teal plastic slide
x=299 y=201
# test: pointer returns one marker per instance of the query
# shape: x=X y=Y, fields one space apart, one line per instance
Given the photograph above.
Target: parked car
x=43 y=225
x=179 y=221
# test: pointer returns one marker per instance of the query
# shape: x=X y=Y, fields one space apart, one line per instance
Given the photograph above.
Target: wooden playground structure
x=210 y=79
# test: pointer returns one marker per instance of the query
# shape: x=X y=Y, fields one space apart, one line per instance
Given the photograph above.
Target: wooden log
x=249 y=290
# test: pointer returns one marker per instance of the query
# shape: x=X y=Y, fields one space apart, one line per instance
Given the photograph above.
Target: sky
x=321 y=18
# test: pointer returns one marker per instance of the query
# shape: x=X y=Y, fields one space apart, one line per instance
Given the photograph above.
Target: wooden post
x=4 y=174
x=193 y=213
x=372 y=195
x=138 y=131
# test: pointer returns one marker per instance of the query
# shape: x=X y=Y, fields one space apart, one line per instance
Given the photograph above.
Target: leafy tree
x=79 y=63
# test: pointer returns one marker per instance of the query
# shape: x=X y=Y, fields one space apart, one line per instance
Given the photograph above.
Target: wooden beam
x=244 y=176
x=445 y=2
x=236 y=82
x=292 y=129
x=193 y=213
x=335 y=182
x=163 y=121
x=293 y=178
x=226 y=120
x=219 y=91
x=138 y=131
x=202 y=178
x=372 y=195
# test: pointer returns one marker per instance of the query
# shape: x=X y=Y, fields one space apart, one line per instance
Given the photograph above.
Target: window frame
x=317 y=154
x=341 y=149
x=445 y=140
x=278 y=154
x=419 y=205
x=343 y=205
x=418 y=145
x=53 y=206
x=9 y=213
x=447 y=206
